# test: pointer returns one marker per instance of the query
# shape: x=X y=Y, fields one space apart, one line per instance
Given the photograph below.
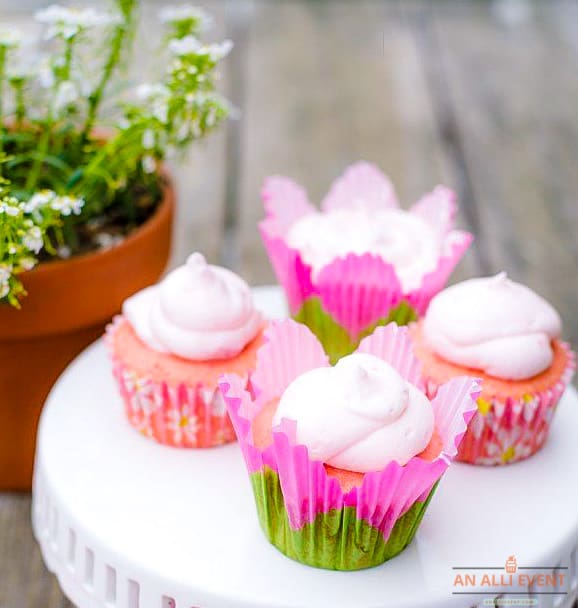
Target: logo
x=511 y=565
x=510 y=580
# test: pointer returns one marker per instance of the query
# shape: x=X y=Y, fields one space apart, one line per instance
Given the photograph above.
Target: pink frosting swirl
x=495 y=325
x=359 y=415
x=198 y=312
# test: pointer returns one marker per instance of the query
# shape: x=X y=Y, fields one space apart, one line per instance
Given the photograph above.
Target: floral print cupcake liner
x=179 y=416
x=507 y=429
x=352 y=295
x=303 y=510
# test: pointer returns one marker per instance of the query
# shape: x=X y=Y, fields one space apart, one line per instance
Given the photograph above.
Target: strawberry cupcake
x=171 y=344
x=509 y=336
x=343 y=460
x=361 y=261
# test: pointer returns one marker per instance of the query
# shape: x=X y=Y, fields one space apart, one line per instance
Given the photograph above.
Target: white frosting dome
x=495 y=325
x=359 y=415
x=399 y=237
x=197 y=312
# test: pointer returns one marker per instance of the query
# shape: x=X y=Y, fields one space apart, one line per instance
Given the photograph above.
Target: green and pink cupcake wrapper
x=352 y=295
x=505 y=430
x=302 y=510
x=181 y=416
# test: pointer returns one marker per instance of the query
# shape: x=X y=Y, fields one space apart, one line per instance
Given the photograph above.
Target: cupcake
x=170 y=345
x=361 y=261
x=343 y=460
x=508 y=336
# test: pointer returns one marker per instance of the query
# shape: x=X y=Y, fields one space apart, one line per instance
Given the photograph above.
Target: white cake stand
x=126 y=523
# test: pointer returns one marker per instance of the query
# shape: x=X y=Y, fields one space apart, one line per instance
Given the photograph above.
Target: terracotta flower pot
x=68 y=305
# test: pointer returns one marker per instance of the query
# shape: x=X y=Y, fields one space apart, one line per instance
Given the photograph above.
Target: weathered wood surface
x=479 y=95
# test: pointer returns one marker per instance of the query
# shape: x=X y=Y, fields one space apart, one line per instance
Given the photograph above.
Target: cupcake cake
x=361 y=261
x=509 y=336
x=173 y=341
x=343 y=460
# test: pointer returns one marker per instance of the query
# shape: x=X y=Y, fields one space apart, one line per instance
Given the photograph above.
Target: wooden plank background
x=480 y=95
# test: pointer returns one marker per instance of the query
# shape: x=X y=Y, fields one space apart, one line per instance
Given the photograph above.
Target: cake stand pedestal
x=126 y=523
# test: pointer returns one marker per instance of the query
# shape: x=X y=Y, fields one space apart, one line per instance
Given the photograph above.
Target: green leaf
x=75 y=177
x=334 y=337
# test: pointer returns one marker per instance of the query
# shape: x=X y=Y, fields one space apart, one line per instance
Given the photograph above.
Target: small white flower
x=32 y=240
x=148 y=139
x=149 y=164
x=5 y=272
x=220 y=50
x=183 y=14
x=38 y=200
x=21 y=70
x=184 y=425
x=4 y=289
x=147 y=91
x=67 y=205
x=211 y=118
x=68 y=22
x=184 y=131
x=46 y=73
x=64 y=252
x=200 y=97
x=10 y=207
x=160 y=110
x=105 y=240
x=10 y=37
x=184 y=46
x=158 y=96
x=66 y=94
x=77 y=205
x=27 y=263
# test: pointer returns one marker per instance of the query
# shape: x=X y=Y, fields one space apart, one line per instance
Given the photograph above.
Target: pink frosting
x=359 y=415
x=198 y=312
x=405 y=240
x=495 y=325
x=359 y=288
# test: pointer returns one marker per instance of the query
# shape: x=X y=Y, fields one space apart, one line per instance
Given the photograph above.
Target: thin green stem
x=32 y=179
x=103 y=153
x=2 y=76
x=122 y=32
x=68 y=58
x=34 y=173
x=20 y=111
x=95 y=98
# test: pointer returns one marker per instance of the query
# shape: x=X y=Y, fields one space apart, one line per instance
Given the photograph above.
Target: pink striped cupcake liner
x=509 y=429
x=302 y=509
x=351 y=295
x=182 y=416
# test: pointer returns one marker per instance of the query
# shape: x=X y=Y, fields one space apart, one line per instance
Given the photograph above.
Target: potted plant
x=85 y=205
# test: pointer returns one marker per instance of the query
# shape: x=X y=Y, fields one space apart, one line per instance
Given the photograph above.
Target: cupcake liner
x=298 y=502
x=357 y=292
x=509 y=429
x=361 y=180
x=181 y=416
x=336 y=540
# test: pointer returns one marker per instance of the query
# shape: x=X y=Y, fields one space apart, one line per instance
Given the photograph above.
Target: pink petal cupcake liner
x=506 y=430
x=180 y=416
x=308 y=491
x=357 y=291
